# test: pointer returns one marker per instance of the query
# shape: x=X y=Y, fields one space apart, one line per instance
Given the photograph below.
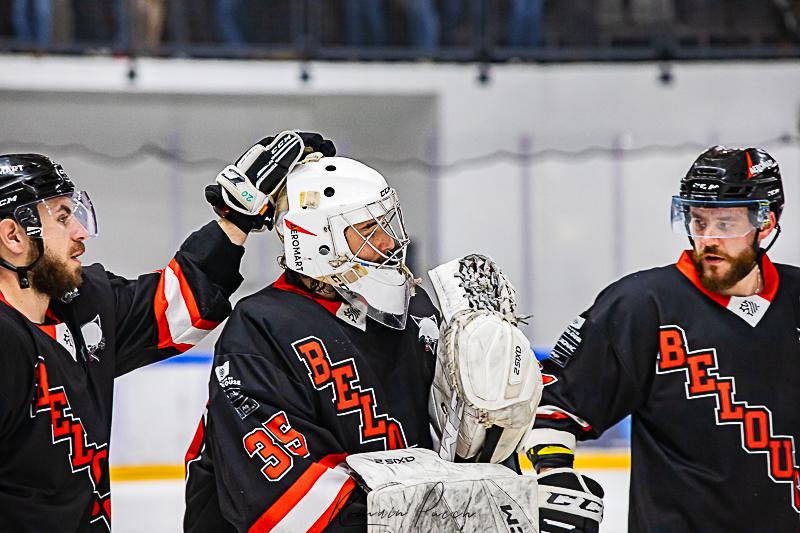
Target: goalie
x=323 y=382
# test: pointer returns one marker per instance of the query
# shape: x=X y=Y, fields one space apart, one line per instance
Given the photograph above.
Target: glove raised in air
x=246 y=192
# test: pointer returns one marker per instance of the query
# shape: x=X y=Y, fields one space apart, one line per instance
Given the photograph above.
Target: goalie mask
x=344 y=227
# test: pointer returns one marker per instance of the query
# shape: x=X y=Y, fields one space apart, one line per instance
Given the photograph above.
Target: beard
x=740 y=266
x=53 y=276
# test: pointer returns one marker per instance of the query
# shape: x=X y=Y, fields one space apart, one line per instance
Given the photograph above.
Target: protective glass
x=718 y=219
x=59 y=215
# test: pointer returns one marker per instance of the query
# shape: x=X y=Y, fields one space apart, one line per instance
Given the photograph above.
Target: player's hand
x=245 y=192
x=569 y=502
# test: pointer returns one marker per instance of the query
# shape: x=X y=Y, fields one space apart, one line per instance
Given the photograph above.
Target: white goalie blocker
x=487 y=383
x=415 y=490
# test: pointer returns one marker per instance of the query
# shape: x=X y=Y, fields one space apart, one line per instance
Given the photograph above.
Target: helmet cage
x=388 y=217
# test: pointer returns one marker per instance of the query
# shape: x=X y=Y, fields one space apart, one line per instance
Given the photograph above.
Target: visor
x=58 y=215
x=718 y=219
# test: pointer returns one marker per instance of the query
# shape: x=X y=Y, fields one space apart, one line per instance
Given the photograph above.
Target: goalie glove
x=569 y=502
x=413 y=489
x=246 y=192
x=486 y=382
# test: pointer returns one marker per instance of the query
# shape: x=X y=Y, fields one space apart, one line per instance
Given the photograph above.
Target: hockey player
x=335 y=359
x=68 y=331
x=703 y=354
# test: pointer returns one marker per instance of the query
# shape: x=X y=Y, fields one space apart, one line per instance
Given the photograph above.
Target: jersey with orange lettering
x=713 y=384
x=57 y=378
x=298 y=383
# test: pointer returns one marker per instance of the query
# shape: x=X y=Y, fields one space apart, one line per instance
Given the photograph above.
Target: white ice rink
x=157 y=506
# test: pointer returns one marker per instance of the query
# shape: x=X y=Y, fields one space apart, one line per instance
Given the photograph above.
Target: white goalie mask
x=335 y=197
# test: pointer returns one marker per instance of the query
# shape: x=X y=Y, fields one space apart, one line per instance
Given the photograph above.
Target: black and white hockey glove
x=569 y=502
x=246 y=192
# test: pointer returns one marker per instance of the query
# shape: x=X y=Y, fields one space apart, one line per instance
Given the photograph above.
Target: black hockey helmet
x=28 y=180
x=729 y=178
x=733 y=174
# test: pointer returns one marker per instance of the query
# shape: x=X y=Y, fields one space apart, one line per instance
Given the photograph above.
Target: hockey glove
x=486 y=383
x=569 y=502
x=245 y=193
x=413 y=489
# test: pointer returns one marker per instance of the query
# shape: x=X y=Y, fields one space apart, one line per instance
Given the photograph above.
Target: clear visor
x=383 y=293
x=378 y=234
x=60 y=215
x=718 y=219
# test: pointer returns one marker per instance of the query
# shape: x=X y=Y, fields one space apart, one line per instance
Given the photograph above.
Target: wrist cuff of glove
x=551 y=456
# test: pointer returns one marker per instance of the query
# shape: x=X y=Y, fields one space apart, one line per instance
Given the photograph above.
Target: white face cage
x=383 y=215
x=379 y=280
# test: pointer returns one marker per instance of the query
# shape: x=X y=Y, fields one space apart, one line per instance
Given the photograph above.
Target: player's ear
x=768 y=227
x=12 y=236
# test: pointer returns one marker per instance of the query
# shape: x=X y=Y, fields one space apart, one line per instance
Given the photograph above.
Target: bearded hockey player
x=320 y=407
x=703 y=354
x=68 y=331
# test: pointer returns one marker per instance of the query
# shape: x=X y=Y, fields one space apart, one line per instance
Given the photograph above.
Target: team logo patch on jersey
x=568 y=343
x=355 y=315
x=84 y=455
x=428 y=331
x=349 y=397
x=232 y=387
x=754 y=421
x=93 y=337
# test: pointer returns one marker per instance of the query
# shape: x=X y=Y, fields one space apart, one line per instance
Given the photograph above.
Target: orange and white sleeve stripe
x=180 y=324
x=312 y=502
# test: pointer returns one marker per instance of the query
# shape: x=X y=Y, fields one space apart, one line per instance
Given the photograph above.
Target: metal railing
x=484 y=31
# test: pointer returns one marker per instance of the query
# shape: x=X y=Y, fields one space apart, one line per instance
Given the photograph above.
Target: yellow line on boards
x=584 y=460
x=146 y=472
x=592 y=460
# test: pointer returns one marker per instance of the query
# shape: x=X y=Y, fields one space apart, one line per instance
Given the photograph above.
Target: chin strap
x=22 y=272
x=760 y=252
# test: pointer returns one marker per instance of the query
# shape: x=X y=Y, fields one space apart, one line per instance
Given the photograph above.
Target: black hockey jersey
x=298 y=383
x=56 y=393
x=713 y=383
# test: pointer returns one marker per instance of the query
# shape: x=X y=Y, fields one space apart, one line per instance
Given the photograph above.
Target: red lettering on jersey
x=729 y=410
x=699 y=380
x=756 y=429
x=672 y=351
x=796 y=488
x=780 y=454
x=371 y=429
x=281 y=429
x=42 y=398
x=346 y=398
x=60 y=423
x=395 y=437
x=314 y=353
x=84 y=455
x=754 y=422
x=277 y=461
